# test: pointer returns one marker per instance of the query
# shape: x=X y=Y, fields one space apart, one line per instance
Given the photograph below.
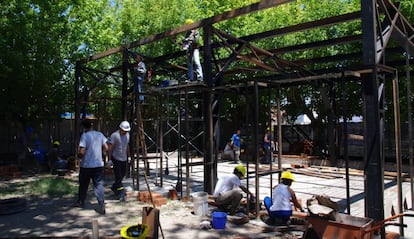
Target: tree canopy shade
x=42 y=40
x=309 y=39
x=315 y=53
x=32 y=59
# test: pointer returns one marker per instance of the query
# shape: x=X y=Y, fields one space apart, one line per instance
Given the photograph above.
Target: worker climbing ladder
x=147 y=148
x=139 y=146
x=139 y=149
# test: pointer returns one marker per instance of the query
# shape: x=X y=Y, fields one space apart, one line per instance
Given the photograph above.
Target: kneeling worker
x=227 y=193
x=280 y=209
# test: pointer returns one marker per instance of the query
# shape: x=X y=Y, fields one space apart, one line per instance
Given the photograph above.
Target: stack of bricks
x=9 y=171
x=157 y=198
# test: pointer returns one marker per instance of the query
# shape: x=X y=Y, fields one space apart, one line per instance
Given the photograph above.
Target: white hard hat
x=125 y=126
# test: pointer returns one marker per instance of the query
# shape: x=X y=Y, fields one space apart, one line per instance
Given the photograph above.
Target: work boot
x=120 y=193
x=80 y=204
x=221 y=208
x=113 y=188
x=101 y=208
x=122 y=197
x=281 y=221
x=270 y=221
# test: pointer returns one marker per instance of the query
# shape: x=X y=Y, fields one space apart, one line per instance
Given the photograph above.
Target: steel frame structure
x=381 y=23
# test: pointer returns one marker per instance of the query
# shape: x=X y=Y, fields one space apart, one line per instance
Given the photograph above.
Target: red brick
x=160 y=201
x=145 y=196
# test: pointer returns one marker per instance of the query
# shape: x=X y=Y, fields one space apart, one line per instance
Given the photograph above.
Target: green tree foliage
x=31 y=58
x=42 y=40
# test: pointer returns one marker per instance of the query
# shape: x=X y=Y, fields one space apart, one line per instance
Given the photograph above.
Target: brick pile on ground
x=9 y=172
x=157 y=198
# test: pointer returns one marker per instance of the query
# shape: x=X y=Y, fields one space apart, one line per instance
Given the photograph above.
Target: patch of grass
x=42 y=186
x=8 y=190
x=52 y=187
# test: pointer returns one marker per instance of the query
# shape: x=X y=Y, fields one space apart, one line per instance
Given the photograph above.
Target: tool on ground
x=139 y=231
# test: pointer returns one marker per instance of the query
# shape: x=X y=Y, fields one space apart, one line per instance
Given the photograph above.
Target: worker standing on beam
x=139 y=73
x=190 y=44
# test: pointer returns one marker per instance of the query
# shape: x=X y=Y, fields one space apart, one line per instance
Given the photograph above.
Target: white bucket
x=200 y=202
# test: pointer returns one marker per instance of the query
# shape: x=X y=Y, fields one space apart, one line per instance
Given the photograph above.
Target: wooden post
x=95 y=229
x=150 y=217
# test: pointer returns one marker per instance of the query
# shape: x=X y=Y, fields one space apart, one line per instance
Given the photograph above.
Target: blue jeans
x=97 y=176
x=282 y=214
x=140 y=81
x=119 y=173
x=193 y=56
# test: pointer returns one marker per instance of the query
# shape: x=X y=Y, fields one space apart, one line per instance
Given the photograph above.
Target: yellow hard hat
x=139 y=231
x=56 y=143
x=287 y=175
x=241 y=169
x=188 y=21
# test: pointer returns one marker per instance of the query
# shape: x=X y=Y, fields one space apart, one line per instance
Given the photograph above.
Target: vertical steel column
x=279 y=132
x=410 y=128
x=77 y=108
x=187 y=143
x=256 y=141
x=272 y=132
x=179 y=186
x=345 y=143
x=210 y=160
x=133 y=142
x=373 y=132
x=160 y=136
x=397 y=128
x=124 y=93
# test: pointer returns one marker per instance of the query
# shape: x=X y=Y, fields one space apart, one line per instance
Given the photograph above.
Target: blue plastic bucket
x=219 y=220
x=165 y=83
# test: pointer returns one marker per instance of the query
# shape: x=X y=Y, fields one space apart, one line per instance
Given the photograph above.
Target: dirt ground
x=57 y=217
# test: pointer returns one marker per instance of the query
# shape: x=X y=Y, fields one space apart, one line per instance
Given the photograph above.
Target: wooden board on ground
x=339 y=172
x=306 y=171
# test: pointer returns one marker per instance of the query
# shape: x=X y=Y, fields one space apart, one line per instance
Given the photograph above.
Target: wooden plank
x=150 y=217
x=338 y=172
x=313 y=173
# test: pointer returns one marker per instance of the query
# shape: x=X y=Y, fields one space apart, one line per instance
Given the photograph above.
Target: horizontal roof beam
x=264 y=4
x=318 y=44
x=304 y=26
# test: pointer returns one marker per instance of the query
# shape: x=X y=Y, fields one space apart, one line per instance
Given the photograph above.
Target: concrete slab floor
x=56 y=217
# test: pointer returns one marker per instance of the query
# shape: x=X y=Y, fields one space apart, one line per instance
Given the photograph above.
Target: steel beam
x=262 y=5
x=373 y=120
